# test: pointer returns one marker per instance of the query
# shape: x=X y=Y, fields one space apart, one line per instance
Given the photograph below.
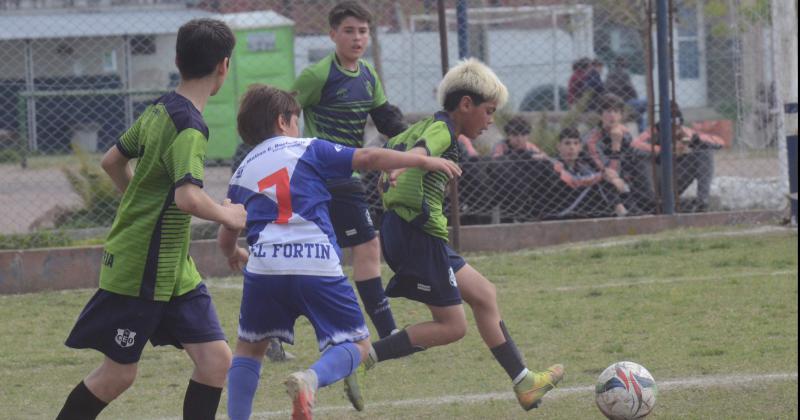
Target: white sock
x=313 y=380
x=521 y=376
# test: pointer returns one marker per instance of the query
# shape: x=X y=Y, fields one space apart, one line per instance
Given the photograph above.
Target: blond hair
x=472 y=76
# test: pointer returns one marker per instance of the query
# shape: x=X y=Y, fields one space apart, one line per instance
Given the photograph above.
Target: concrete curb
x=35 y=270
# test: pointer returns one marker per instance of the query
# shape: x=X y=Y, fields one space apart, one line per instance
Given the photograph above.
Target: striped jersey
x=146 y=253
x=336 y=101
x=281 y=183
x=418 y=197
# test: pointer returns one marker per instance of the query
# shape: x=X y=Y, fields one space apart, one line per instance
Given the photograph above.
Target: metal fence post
x=784 y=67
x=665 y=108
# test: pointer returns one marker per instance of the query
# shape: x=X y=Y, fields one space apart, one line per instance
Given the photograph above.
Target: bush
x=97 y=192
x=10 y=147
x=40 y=239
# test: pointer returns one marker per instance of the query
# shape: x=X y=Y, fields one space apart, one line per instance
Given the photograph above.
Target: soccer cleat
x=276 y=352
x=301 y=389
x=352 y=388
x=535 y=384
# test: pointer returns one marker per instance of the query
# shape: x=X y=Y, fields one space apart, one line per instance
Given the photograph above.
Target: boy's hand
x=436 y=164
x=617 y=135
x=613 y=177
x=237 y=215
x=394 y=174
x=238 y=260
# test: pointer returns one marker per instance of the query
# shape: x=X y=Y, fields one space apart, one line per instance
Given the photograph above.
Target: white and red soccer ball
x=625 y=391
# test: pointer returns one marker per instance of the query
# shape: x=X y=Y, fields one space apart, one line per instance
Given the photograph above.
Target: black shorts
x=350 y=212
x=119 y=326
x=424 y=265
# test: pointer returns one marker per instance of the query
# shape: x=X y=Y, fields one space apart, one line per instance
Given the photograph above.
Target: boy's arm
x=388 y=120
x=116 y=166
x=372 y=158
x=387 y=117
x=644 y=143
x=308 y=88
x=193 y=200
x=227 y=242
x=115 y=161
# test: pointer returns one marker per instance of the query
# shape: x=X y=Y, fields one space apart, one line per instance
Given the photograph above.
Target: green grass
x=682 y=305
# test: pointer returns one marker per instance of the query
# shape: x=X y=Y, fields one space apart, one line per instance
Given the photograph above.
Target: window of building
x=143 y=45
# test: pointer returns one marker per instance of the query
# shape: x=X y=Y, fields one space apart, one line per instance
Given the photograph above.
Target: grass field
x=711 y=313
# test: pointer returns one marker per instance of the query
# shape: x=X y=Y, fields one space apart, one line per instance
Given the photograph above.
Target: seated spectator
x=694 y=159
x=610 y=146
x=575 y=188
x=618 y=82
x=518 y=130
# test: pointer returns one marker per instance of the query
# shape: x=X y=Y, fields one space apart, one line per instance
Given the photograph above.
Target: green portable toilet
x=264 y=53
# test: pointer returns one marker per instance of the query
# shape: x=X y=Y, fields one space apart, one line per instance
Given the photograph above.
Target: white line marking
x=709 y=381
x=697 y=382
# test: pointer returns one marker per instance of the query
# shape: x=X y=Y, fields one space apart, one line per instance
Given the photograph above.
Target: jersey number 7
x=280 y=180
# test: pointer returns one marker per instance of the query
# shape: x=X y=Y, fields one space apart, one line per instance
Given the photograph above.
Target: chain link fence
x=75 y=73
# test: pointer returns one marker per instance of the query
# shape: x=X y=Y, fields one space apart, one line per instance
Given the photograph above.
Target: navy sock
x=336 y=363
x=81 y=404
x=377 y=305
x=201 y=401
x=508 y=355
x=395 y=346
x=242 y=384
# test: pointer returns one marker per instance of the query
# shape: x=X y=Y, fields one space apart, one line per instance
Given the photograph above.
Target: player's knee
x=455 y=330
x=111 y=380
x=489 y=296
x=485 y=299
x=221 y=362
x=213 y=364
x=368 y=251
x=125 y=379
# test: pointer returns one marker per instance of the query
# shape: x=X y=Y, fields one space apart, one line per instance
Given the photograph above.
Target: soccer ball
x=625 y=390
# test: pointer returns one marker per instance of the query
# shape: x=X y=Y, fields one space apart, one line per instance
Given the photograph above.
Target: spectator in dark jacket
x=618 y=82
x=575 y=188
x=518 y=131
x=610 y=146
x=694 y=159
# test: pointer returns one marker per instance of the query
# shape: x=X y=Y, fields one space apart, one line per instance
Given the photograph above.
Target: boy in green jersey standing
x=414 y=238
x=149 y=286
x=337 y=94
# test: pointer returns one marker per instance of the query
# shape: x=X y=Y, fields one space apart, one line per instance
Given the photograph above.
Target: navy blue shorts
x=350 y=212
x=424 y=265
x=272 y=303
x=119 y=326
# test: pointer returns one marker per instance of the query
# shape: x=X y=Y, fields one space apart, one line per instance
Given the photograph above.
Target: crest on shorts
x=368 y=217
x=452 y=276
x=125 y=338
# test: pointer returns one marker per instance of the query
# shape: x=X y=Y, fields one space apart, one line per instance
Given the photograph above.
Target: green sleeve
x=128 y=143
x=308 y=86
x=184 y=159
x=436 y=139
x=378 y=95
